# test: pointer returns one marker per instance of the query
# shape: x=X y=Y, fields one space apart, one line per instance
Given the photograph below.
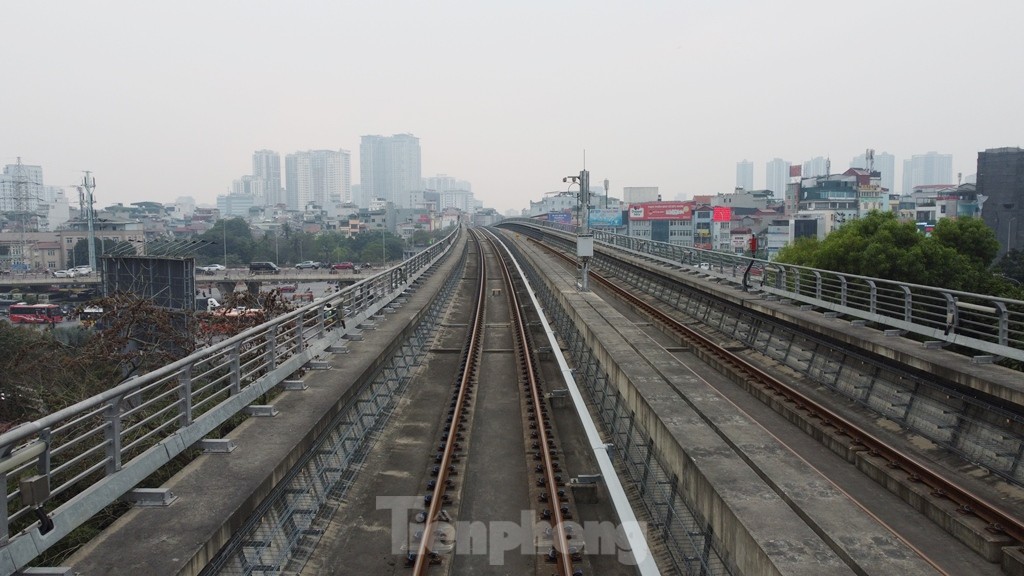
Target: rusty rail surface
x=529 y=373
x=470 y=363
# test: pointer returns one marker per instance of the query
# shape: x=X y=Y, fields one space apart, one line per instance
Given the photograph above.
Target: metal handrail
x=88 y=455
x=985 y=324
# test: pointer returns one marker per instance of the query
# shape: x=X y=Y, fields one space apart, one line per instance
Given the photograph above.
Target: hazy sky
x=168 y=99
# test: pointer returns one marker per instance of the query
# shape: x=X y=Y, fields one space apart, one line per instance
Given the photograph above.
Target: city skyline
x=162 y=101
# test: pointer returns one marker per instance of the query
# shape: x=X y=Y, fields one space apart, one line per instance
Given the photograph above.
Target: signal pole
x=584 y=239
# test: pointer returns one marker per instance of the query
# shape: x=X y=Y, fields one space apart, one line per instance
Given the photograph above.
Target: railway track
x=542 y=457
x=998 y=519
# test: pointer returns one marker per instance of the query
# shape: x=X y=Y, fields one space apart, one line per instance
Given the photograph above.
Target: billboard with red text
x=661 y=211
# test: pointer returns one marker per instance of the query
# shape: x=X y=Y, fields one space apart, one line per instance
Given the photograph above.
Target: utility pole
x=584 y=239
x=88 y=183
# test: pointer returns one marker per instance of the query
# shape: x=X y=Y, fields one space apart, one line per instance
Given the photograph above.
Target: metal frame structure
x=90 y=454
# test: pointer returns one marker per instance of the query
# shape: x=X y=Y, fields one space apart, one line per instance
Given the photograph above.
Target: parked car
x=264 y=268
x=344 y=266
x=212 y=268
x=308 y=264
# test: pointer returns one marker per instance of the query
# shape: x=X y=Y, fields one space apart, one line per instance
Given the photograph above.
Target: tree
x=227 y=235
x=970 y=237
x=1011 y=266
x=955 y=256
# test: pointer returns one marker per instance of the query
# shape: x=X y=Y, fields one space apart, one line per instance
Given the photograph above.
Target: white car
x=82 y=270
x=211 y=268
x=62 y=274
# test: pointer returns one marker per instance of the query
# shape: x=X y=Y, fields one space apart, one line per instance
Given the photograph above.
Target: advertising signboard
x=661 y=211
x=605 y=217
x=561 y=217
x=722 y=214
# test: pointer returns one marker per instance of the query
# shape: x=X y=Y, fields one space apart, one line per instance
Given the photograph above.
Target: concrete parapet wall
x=743 y=513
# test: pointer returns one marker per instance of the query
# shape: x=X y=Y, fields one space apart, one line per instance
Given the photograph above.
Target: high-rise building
x=266 y=167
x=883 y=163
x=1001 y=182
x=745 y=175
x=817 y=166
x=776 y=176
x=251 y=186
x=926 y=170
x=389 y=169
x=319 y=177
x=452 y=193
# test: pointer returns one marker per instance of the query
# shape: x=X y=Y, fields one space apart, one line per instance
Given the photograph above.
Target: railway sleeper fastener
x=995 y=528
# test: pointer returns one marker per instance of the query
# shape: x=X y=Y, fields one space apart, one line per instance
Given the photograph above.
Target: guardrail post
x=112 y=434
x=185 y=396
x=300 y=328
x=908 y=305
x=817 y=285
x=873 y=297
x=236 y=368
x=952 y=315
x=843 y=291
x=1004 y=323
x=321 y=321
x=271 y=347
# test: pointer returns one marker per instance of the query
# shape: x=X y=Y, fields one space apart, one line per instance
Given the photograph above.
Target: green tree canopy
x=956 y=255
x=230 y=236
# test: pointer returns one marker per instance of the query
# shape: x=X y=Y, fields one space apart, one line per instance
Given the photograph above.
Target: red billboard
x=721 y=214
x=661 y=211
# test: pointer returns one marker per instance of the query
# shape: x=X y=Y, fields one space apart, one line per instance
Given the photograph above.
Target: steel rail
x=997 y=518
x=470 y=363
x=565 y=563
